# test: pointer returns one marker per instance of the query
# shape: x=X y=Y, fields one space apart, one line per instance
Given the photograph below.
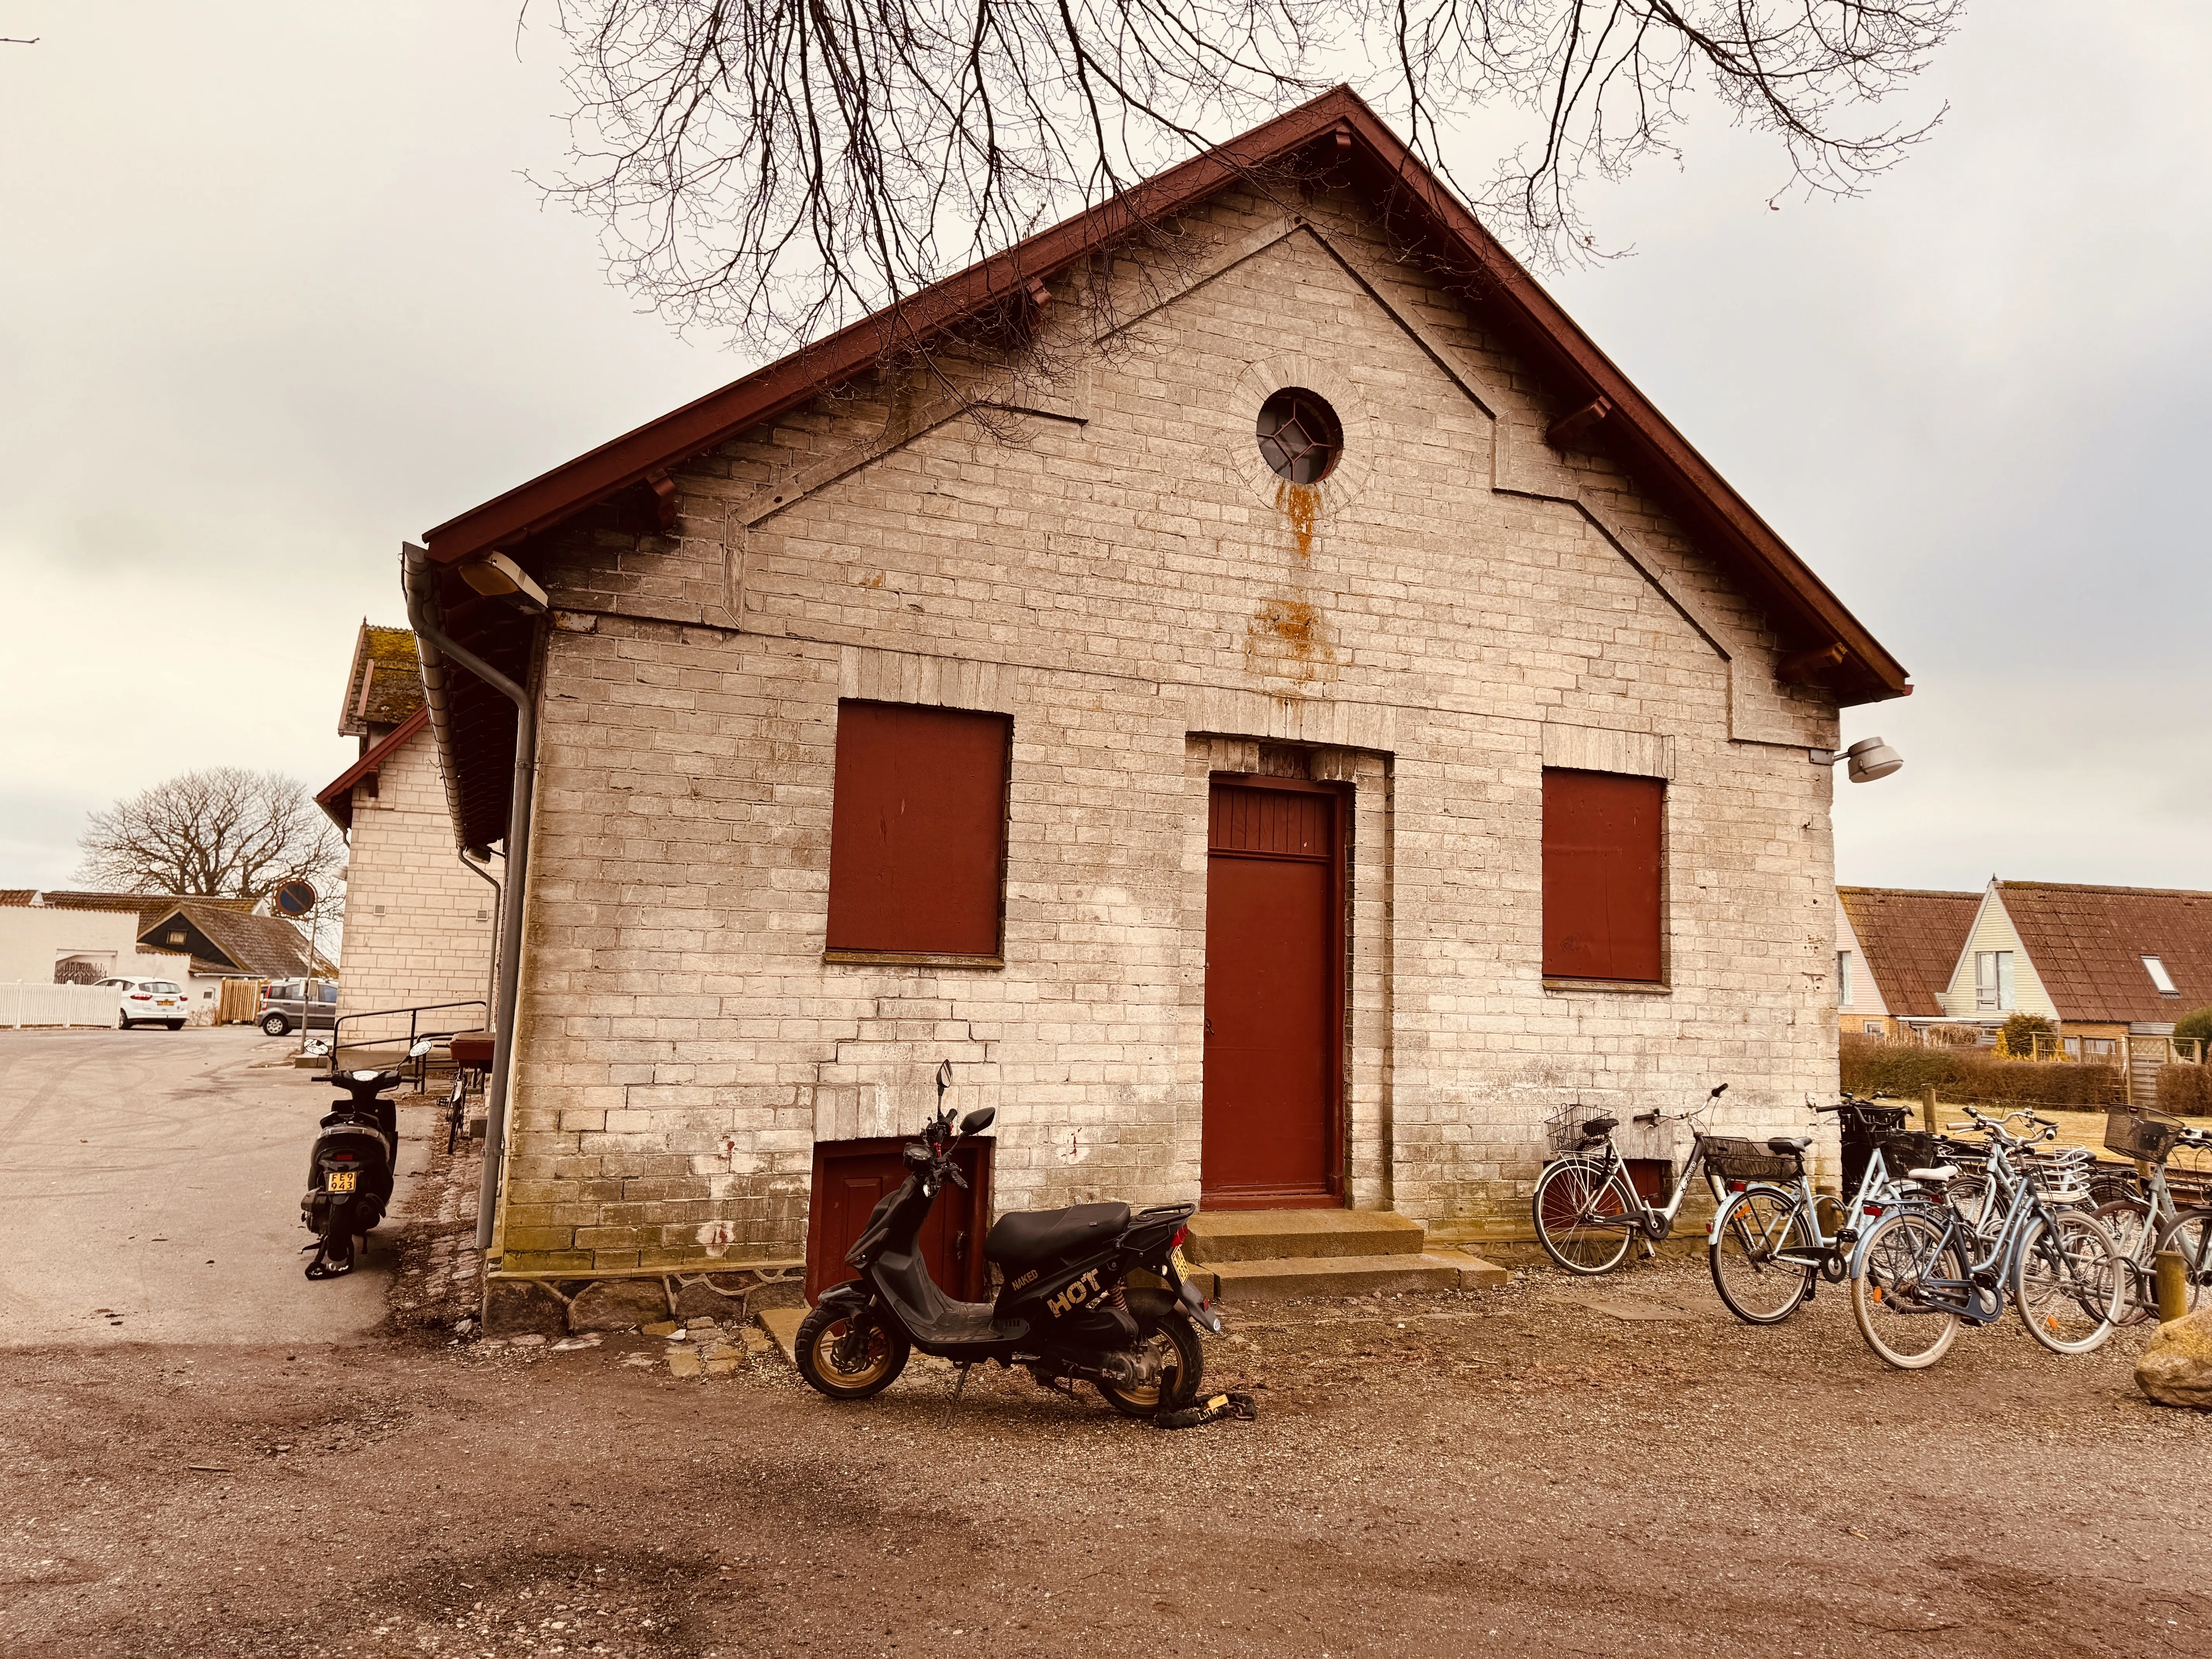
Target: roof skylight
x=2161 y=978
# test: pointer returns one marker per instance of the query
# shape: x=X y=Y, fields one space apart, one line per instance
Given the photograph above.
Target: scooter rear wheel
x=1167 y=1331
x=871 y=1364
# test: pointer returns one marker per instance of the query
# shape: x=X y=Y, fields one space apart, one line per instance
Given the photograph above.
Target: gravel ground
x=1560 y=1466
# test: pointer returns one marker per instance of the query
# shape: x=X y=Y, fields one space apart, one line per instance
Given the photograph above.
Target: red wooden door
x=851 y=1175
x=1273 y=1134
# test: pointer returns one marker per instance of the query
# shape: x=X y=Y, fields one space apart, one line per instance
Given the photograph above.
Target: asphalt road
x=150 y=1191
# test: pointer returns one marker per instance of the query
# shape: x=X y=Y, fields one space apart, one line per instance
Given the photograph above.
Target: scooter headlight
x=364 y=1077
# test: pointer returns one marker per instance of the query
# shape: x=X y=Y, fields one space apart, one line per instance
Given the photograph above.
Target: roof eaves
x=336 y=797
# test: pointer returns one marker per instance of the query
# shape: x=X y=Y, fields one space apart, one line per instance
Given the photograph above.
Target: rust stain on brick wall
x=1301 y=505
x=1288 y=637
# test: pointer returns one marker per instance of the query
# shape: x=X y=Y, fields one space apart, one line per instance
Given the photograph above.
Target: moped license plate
x=340 y=1181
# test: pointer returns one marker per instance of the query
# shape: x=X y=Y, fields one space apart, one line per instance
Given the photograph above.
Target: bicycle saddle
x=1600 y=1126
x=1941 y=1172
x=1782 y=1145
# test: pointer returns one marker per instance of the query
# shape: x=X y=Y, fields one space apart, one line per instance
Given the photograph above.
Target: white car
x=151 y=1002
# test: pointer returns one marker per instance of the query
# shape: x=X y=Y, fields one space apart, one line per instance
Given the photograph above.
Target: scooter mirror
x=421 y=1048
x=944 y=1077
x=978 y=1121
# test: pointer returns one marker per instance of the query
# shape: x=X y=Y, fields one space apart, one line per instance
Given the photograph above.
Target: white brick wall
x=1134 y=587
x=418 y=927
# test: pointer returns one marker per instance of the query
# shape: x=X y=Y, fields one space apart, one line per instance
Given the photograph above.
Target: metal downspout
x=419 y=582
x=498 y=899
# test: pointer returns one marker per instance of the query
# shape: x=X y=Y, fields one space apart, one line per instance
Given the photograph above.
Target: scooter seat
x=1036 y=1235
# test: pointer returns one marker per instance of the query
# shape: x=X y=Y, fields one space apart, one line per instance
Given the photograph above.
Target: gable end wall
x=1121 y=576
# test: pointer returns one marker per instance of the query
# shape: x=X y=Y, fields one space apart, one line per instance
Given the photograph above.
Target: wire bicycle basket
x=2140 y=1133
x=2062 y=1176
x=1562 y=1130
x=1729 y=1158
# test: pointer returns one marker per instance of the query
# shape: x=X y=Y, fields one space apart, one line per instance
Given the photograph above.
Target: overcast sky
x=275 y=295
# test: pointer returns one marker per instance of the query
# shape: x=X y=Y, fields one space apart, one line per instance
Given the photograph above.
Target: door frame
x=1334 y=1128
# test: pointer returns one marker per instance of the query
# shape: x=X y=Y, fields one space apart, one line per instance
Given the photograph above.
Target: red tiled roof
x=336 y=797
x=1425 y=215
x=2088 y=944
x=1912 y=941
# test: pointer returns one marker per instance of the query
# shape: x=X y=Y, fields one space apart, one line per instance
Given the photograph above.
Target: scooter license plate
x=340 y=1181
x=1181 y=1267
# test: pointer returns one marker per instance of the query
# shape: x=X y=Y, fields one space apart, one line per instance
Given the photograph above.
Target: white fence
x=27 y=1003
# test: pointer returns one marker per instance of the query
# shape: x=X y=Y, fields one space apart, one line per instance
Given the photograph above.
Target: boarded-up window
x=1601 y=836
x=917 y=829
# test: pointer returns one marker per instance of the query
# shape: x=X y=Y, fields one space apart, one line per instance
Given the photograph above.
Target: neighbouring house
x=56 y=936
x=1896 y=948
x=1272 y=704
x=2114 y=967
x=419 y=918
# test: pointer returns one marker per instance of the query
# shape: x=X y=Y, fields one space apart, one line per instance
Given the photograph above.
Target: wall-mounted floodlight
x=1867 y=759
x=496 y=576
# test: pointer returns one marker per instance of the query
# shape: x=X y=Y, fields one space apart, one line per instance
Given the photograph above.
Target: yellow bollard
x=2172 y=1284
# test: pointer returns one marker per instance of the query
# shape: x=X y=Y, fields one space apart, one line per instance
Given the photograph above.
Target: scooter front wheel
x=847 y=1360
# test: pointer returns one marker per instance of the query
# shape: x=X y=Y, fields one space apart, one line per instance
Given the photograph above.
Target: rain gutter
x=419 y=580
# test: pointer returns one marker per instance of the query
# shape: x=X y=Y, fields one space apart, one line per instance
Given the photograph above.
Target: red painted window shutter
x=1602 y=838
x=918 y=829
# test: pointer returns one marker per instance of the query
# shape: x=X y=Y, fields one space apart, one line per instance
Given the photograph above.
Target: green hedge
x=2185 y=1090
x=1872 y=1066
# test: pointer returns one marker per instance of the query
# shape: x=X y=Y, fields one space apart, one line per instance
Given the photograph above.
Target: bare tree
x=226 y=832
x=777 y=168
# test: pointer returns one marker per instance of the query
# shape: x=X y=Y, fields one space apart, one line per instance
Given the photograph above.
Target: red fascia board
x=338 y=793
x=1497 y=279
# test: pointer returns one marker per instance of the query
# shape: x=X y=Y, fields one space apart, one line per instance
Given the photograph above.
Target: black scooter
x=1064 y=1312
x=349 y=1172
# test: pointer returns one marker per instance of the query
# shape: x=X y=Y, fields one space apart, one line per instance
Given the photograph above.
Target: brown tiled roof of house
x=385 y=685
x=2088 y=944
x=264 y=946
x=1911 y=939
x=150 y=906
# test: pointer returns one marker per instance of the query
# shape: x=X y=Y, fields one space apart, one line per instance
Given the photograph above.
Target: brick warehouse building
x=1279 y=752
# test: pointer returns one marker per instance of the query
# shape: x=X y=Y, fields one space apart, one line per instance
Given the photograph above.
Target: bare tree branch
x=779 y=168
x=225 y=832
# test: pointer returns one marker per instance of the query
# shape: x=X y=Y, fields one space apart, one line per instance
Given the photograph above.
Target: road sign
x=295 y=899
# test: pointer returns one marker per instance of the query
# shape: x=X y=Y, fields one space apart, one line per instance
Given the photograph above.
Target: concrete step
x=1244 y=1284
x=1226 y=1236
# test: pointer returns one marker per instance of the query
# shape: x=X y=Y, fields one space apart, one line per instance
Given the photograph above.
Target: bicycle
x=1765 y=1246
x=1924 y=1268
x=2140 y=1225
x=1587 y=1209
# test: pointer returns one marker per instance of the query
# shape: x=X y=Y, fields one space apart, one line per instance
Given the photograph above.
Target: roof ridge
x=1911 y=892
x=2090 y=887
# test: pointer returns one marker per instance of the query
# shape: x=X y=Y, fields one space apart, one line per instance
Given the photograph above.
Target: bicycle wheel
x=1905 y=1249
x=2071 y=1284
x=1581 y=1219
x=2189 y=1235
x=1751 y=1227
x=2128 y=1220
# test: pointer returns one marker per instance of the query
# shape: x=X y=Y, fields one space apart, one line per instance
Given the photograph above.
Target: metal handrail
x=414 y=1031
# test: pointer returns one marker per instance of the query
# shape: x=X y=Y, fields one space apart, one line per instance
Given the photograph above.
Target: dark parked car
x=283 y=1003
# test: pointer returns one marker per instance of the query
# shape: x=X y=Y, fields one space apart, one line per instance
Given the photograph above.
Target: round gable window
x=1300 y=437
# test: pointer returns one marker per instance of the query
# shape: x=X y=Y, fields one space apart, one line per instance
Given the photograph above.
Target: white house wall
x=418 y=926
